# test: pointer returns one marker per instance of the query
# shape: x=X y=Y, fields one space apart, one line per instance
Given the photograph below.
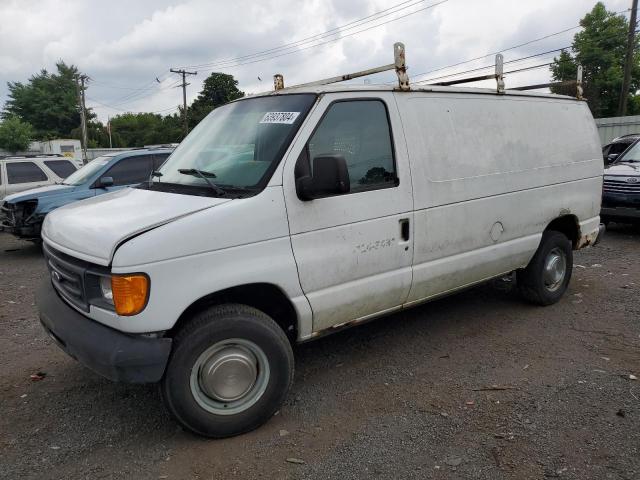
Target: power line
x=146 y=94
x=129 y=111
x=505 y=49
x=528 y=57
x=334 y=31
x=118 y=87
x=328 y=41
x=151 y=85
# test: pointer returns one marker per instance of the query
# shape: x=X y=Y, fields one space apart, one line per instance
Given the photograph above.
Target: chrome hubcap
x=555 y=269
x=229 y=376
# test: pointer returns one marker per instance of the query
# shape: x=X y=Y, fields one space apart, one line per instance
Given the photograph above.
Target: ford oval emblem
x=632 y=180
x=56 y=276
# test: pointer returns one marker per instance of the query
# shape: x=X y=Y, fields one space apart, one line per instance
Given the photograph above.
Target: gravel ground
x=476 y=385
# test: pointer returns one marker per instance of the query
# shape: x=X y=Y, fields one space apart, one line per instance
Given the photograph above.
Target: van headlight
x=126 y=294
x=105 y=289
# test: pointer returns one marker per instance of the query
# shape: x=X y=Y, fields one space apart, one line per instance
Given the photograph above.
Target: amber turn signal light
x=130 y=293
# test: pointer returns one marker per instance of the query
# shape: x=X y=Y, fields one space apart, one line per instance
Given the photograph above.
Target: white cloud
x=125 y=44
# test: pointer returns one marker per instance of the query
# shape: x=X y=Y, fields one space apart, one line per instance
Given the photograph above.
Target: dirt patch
x=476 y=385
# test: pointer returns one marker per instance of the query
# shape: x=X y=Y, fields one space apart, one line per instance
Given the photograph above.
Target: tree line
x=46 y=106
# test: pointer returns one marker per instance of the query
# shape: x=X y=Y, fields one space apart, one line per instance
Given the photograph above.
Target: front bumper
x=620 y=213
x=118 y=356
x=13 y=220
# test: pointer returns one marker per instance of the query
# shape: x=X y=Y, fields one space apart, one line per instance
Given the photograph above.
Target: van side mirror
x=330 y=176
x=104 y=182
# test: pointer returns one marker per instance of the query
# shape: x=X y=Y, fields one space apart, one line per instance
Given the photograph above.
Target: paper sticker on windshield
x=280 y=117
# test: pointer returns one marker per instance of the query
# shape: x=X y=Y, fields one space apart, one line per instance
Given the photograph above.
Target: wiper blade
x=236 y=188
x=205 y=176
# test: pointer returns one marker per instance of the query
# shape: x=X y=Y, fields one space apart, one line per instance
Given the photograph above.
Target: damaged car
x=22 y=213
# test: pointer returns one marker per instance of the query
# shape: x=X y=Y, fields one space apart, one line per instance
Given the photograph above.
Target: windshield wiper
x=205 y=176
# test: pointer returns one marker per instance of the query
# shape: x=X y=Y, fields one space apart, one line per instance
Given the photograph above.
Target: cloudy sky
x=124 y=46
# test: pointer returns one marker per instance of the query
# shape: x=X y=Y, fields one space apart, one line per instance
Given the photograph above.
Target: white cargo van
x=289 y=215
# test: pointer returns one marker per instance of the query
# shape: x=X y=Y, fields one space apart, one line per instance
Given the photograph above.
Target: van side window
x=158 y=160
x=24 y=172
x=62 y=168
x=131 y=170
x=359 y=131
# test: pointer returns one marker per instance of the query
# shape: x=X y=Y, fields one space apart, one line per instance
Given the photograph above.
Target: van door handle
x=404 y=229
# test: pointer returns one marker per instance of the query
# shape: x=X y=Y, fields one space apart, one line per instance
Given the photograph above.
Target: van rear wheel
x=547 y=276
x=229 y=372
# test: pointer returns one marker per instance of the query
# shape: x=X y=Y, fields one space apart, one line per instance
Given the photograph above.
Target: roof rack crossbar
x=566 y=83
x=498 y=76
x=348 y=76
x=538 y=86
x=398 y=65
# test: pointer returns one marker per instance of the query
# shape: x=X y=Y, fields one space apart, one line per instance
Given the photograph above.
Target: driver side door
x=353 y=250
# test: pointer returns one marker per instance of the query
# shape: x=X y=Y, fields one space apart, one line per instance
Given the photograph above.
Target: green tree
x=48 y=101
x=139 y=129
x=218 y=89
x=15 y=134
x=600 y=49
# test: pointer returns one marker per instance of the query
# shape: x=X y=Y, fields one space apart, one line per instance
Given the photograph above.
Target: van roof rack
x=399 y=65
x=499 y=77
x=32 y=155
x=161 y=145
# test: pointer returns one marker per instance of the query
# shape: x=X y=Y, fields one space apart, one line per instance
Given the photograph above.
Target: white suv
x=23 y=173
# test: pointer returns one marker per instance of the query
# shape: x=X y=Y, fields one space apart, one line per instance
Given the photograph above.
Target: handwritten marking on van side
x=376 y=245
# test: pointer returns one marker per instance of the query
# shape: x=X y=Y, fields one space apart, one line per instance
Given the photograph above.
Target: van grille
x=621 y=186
x=67 y=275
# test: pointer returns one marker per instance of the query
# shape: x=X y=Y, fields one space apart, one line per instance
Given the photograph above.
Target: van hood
x=623 y=169
x=39 y=192
x=93 y=229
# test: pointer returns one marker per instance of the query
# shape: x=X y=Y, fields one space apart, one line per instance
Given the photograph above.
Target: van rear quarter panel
x=490 y=173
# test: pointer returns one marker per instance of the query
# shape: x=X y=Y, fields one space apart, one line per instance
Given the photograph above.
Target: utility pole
x=80 y=79
x=631 y=40
x=109 y=130
x=184 y=84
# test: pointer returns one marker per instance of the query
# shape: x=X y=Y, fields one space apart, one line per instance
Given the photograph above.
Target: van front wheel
x=229 y=372
x=547 y=276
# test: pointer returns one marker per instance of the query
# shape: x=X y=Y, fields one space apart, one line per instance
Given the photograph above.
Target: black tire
x=531 y=280
x=208 y=328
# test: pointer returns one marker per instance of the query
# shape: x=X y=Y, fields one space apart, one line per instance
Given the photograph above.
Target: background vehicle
x=25 y=172
x=22 y=213
x=613 y=149
x=67 y=147
x=621 y=188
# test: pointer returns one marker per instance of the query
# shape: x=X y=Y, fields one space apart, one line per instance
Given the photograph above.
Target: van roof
x=341 y=87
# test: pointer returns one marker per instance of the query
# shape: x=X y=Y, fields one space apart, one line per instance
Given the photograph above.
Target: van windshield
x=83 y=174
x=236 y=147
